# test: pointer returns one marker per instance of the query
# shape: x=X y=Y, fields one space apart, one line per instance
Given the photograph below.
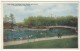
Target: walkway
x=38 y=39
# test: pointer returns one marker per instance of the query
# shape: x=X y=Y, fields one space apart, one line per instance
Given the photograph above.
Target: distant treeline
x=51 y=21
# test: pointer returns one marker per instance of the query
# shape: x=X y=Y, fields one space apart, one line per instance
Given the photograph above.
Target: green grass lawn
x=59 y=43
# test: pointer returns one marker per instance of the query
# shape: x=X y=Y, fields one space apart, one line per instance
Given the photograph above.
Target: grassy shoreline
x=59 y=43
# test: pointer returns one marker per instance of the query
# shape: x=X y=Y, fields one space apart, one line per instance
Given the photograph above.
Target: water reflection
x=32 y=34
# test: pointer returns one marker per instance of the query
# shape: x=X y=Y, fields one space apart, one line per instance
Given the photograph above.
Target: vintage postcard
x=29 y=25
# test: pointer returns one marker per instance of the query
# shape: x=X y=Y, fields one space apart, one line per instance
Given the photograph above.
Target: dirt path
x=38 y=39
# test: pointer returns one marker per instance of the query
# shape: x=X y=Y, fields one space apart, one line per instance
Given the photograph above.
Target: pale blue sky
x=44 y=9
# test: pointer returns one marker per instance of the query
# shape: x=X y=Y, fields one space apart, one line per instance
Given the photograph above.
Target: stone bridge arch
x=67 y=27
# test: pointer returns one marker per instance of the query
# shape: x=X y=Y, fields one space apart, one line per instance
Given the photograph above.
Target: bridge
x=52 y=27
x=62 y=27
x=48 y=27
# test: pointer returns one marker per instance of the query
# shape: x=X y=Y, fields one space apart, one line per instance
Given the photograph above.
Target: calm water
x=28 y=34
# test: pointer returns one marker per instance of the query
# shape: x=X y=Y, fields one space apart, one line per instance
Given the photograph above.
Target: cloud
x=44 y=9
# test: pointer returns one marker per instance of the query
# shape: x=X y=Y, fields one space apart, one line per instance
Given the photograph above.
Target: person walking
x=59 y=35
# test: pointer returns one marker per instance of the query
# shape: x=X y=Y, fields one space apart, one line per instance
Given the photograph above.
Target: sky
x=21 y=11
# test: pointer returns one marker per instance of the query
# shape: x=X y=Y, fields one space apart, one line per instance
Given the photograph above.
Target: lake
x=32 y=33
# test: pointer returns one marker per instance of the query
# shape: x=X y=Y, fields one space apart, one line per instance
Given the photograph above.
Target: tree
x=6 y=19
x=51 y=21
x=12 y=20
